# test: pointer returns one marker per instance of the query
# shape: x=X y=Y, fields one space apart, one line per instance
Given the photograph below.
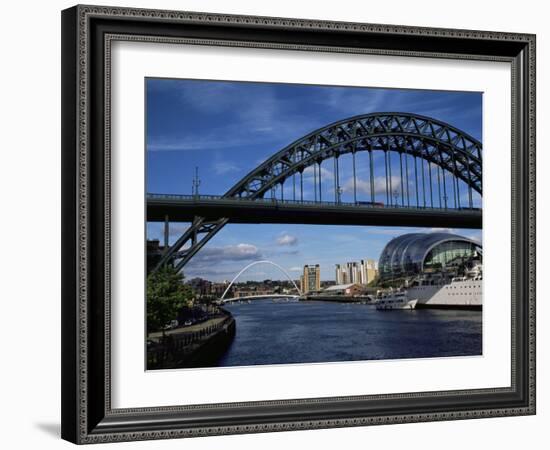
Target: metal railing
x=271 y=201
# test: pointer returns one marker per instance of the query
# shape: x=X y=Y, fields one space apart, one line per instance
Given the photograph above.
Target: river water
x=305 y=332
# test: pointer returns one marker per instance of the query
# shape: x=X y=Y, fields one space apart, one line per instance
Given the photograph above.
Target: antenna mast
x=196 y=183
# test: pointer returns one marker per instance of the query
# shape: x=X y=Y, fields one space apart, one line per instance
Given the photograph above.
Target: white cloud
x=363 y=186
x=287 y=239
x=239 y=252
x=223 y=167
x=295 y=269
x=194 y=142
x=325 y=173
x=348 y=101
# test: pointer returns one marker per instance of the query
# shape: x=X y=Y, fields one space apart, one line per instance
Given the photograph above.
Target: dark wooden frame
x=87 y=415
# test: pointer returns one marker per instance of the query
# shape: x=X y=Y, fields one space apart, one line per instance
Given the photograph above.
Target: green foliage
x=166 y=295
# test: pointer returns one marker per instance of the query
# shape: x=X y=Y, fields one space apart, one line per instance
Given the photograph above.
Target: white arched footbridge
x=253 y=297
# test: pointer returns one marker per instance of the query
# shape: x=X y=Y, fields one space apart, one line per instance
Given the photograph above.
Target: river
x=306 y=332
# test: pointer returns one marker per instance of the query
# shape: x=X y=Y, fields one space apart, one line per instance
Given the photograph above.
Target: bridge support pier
x=166 y=232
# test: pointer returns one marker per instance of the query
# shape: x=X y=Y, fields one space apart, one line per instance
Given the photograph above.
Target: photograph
x=300 y=223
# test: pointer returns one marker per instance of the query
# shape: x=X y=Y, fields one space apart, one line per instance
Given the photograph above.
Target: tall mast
x=196 y=183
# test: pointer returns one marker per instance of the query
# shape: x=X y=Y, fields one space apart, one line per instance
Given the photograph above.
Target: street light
x=396 y=196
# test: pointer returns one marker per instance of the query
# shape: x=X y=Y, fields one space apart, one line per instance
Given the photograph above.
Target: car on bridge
x=375 y=204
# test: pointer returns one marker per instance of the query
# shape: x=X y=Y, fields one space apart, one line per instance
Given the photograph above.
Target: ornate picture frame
x=88 y=33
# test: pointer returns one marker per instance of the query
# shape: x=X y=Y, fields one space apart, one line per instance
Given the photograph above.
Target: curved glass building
x=415 y=253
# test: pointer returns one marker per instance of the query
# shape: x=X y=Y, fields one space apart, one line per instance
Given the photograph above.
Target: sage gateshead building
x=413 y=254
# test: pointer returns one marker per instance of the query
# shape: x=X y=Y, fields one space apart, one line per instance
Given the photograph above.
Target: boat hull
x=464 y=294
x=409 y=305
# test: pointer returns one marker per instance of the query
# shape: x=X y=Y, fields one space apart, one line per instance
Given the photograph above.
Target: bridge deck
x=184 y=209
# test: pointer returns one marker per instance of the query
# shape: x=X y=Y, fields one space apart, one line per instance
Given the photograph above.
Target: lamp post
x=339 y=190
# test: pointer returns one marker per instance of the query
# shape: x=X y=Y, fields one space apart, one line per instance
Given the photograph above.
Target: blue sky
x=228 y=128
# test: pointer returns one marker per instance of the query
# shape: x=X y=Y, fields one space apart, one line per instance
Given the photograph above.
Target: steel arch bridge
x=443 y=151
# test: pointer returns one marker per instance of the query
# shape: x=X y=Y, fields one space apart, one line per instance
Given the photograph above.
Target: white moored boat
x=438 y=292
x=394 y=300
x=439 y=269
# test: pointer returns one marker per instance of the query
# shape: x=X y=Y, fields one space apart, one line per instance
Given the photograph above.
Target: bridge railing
x=271 y=201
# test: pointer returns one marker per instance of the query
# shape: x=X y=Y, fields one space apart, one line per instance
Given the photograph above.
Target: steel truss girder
x=434 y=141
x=370 y=132
x=197 y=235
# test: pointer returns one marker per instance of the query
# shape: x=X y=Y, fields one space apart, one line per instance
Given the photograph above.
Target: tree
x=166 y=295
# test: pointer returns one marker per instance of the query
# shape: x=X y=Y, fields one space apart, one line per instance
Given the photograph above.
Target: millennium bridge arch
x=443 y=150
x=252 y=264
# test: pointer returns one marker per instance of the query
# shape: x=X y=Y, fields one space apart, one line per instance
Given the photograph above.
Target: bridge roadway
x=183 y=208
x=258 y=297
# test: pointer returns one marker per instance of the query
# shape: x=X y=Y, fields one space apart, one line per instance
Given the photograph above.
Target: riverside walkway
x=198 y=345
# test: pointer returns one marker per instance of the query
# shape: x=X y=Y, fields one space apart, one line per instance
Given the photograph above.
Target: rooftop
x=340 y=287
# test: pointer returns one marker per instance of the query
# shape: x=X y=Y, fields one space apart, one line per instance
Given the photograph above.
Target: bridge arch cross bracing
x=244 y=269
x=435 y=141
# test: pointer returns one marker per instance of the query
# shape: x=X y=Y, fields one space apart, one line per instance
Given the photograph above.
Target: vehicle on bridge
x=376 y=204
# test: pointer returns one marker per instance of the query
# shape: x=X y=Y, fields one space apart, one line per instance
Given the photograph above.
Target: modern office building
x=362 y=272
x=341 y=275
x=310 y=281
x=353 y=270
x=369 y=271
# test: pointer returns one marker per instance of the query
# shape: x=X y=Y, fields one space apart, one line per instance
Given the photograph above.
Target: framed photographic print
x=278 y=224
